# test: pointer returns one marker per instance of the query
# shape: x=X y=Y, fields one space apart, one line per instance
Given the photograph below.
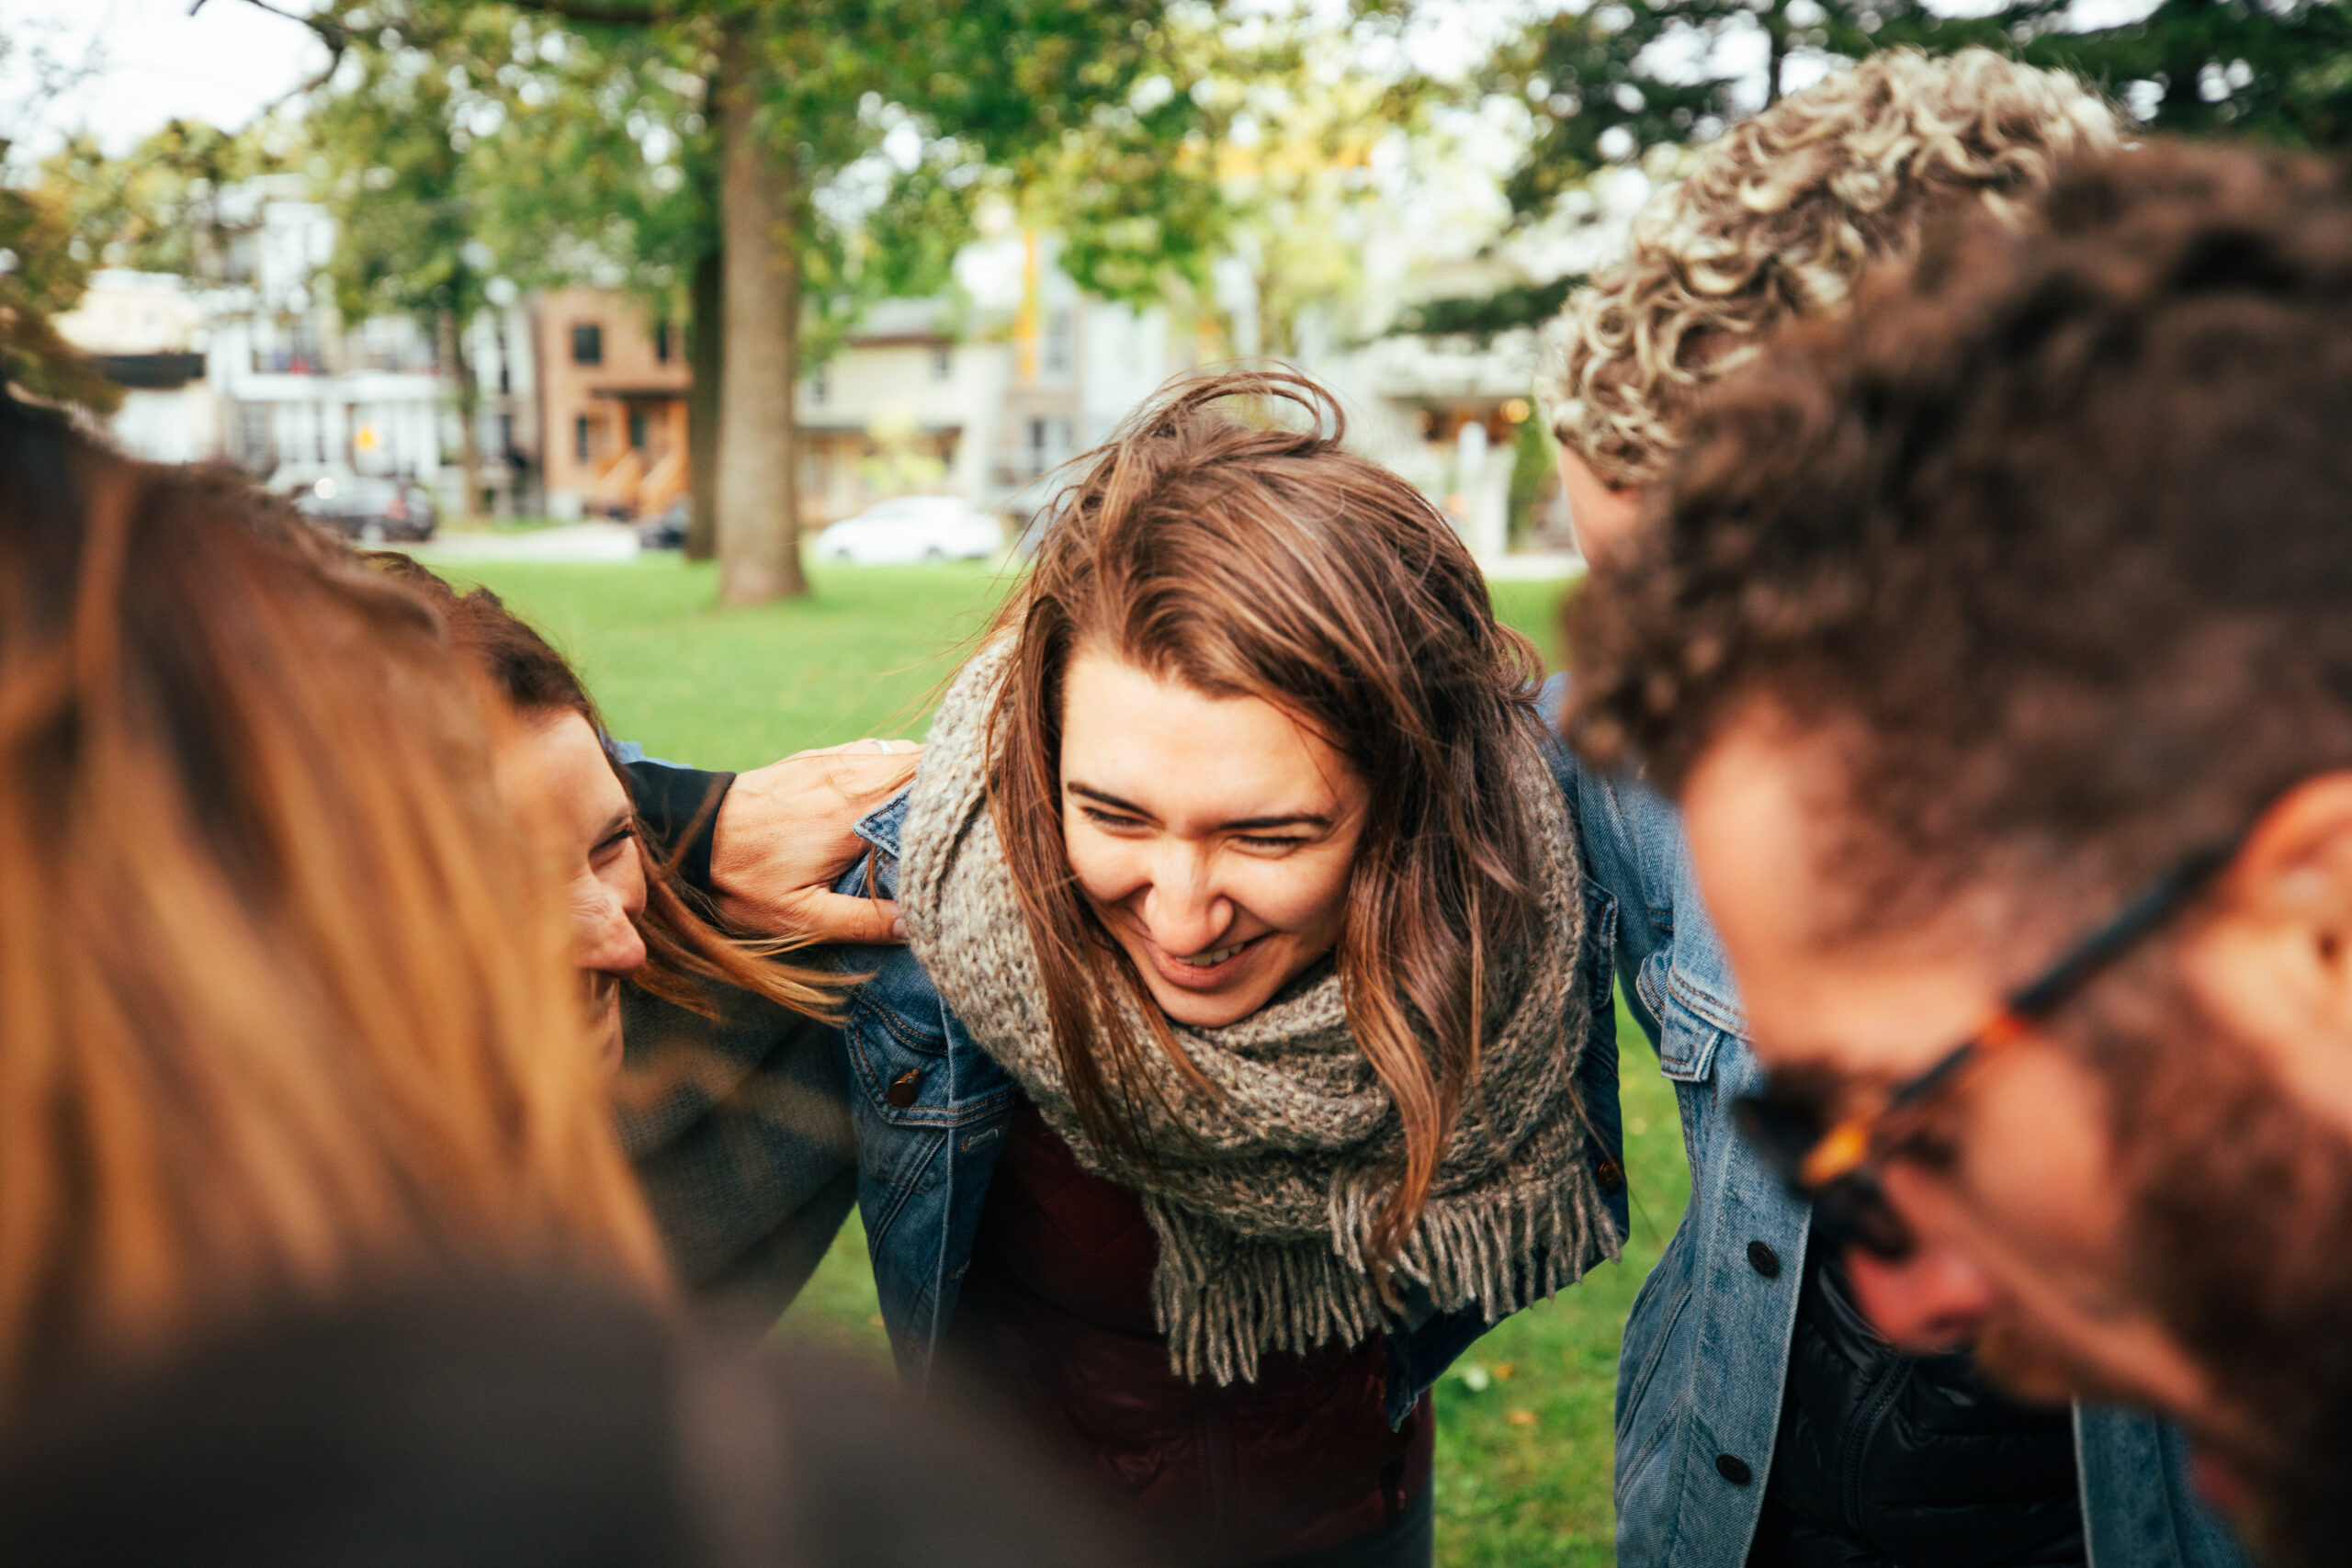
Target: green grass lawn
x=1524 y=1421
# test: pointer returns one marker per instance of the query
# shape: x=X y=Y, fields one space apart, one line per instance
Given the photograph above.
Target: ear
x=2276 y=964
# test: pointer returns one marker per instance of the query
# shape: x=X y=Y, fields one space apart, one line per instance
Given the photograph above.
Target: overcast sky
x=153 y=63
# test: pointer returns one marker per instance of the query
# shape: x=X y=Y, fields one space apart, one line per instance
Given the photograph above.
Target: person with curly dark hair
x=1761 y=1422
x=1997 y=649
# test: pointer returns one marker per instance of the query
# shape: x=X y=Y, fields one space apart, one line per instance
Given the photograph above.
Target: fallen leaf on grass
x=1522 y=1419
x=1503 y=1369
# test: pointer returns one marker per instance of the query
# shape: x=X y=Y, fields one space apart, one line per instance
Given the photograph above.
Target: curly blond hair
x=1780 y=219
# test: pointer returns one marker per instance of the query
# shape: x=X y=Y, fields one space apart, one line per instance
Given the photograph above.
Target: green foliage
x=1250 y=137
x=582 y=138
x=396 y=127
x=2275 y=72
x=1610 y=82
x=170 y=204
x=1519 y=305
x=1534 y=473
x=42 y=273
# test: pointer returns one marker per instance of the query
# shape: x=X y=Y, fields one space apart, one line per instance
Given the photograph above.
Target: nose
x=607 y=938
x=1183 y=911
x=1932 y=1300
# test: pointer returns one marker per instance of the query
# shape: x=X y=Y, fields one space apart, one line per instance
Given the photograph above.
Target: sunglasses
x=1834 y=1161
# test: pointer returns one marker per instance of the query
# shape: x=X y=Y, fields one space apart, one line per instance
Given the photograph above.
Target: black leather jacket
x=1883 y=1459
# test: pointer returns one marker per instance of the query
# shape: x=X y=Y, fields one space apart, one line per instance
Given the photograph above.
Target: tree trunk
x=461 y=366
x=759 y=456
x=1775 y=32
x=705 y=354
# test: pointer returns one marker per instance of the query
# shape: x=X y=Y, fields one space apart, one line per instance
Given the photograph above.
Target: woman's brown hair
x=1213 y=543
x=684 y=954
x=281 y=1007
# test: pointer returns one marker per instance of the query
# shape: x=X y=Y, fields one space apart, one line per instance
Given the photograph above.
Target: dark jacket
x=1886 y=1459
x=737 y=1123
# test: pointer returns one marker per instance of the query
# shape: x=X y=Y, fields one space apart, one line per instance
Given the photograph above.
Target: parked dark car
x=368 y=510
x=667 y=529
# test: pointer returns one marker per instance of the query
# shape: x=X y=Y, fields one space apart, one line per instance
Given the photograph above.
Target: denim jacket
x=929 y=1108
x=1706 y=1350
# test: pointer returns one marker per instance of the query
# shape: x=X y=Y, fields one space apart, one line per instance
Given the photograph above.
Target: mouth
x=1208 y=971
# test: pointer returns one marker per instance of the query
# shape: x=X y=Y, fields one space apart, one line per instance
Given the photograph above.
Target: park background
x=387 y=240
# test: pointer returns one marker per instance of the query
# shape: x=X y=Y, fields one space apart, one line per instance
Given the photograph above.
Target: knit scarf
x=1263 y=1196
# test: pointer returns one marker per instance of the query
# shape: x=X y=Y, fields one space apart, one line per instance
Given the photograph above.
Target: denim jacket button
x=901 y=1092
x=1763 y=1259
x=1734 y=1469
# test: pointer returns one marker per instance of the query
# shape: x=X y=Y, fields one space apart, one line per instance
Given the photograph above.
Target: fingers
x=838 y=916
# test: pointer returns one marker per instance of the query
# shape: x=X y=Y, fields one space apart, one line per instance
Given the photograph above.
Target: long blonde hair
x=1780 y=219
x=281 y=1006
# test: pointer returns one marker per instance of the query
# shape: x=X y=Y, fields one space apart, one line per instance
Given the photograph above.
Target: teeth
x=1211 y=959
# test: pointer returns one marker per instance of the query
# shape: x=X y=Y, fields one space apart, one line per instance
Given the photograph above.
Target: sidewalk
x=572 y=542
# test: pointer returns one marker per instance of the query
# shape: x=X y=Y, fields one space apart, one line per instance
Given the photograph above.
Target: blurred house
x=147 y=335
x=613 y=395
x=1077 y=367
x=581 y=393
x=259 y=369
x=936 y=396
x=1448 y=406
x=907 y=406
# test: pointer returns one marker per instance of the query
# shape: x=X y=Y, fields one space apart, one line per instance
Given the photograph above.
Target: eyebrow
x=1238 y=825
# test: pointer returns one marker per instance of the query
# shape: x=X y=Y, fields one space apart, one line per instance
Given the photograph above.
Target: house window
x=587 y=343
x=943 y=362
x=637 y=427
x=818 y=390
x=579 y=438
x=661 y=342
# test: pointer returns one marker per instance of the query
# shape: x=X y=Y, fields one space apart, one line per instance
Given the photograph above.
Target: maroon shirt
x=1056 y=1315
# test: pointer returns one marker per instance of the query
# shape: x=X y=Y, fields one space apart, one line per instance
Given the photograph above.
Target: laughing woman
x=1248 y=1060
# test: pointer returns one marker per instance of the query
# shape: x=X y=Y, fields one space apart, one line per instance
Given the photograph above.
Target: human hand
x=786 y=833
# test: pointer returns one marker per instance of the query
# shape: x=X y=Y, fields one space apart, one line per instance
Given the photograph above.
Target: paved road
x=572 y=542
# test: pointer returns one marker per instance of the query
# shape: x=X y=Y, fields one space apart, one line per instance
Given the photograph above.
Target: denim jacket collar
x=885 y=824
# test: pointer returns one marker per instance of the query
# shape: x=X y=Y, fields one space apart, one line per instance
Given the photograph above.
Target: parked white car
x=913 y=529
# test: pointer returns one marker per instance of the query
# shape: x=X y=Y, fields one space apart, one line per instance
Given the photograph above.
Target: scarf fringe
x=1223 y=1303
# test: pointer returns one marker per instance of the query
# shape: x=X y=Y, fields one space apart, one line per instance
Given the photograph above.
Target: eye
x=1113 y=821
x=611 y=844
x=1267 y=844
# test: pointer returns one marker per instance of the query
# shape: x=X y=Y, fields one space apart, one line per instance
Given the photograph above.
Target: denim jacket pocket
x=898 y=1062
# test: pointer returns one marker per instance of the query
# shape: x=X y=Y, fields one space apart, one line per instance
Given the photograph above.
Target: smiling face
x=552 y=774
x=1212 y=836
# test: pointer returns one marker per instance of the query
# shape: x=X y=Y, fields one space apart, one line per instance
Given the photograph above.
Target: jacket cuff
x=678 y=810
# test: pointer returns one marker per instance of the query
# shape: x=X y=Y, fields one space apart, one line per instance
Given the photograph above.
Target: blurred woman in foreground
x=283 y=1006
x=316 y=1244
